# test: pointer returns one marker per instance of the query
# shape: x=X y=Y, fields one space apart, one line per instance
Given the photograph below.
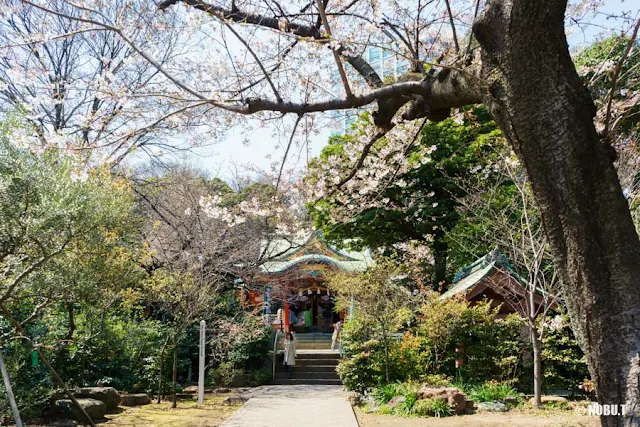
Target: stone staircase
x=312 y=341
x=312 y=367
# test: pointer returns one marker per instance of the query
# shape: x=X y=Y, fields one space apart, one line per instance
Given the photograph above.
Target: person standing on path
x=289 y=352
x=337 y=327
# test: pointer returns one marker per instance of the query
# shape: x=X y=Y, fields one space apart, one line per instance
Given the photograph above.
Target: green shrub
x=493 y=391
x=432 y=408
x=384 y=410
x=436 y=380
x=405 y=408
x=564 y=365
x=385 y=393
x=221 y=376
x=491 y=348
x=364 y=369
x=259 y=377
x=251 y=346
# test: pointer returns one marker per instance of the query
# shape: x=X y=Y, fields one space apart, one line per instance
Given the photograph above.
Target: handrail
x=275 y=354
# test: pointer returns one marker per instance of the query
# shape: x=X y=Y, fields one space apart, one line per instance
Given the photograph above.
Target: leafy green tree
x=419 y=205
x=65 y=236
x=381 y=301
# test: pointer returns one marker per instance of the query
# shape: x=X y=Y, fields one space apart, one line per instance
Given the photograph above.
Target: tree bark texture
x=536 y=96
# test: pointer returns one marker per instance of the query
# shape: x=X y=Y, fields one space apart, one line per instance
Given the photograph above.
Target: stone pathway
x=295 y=406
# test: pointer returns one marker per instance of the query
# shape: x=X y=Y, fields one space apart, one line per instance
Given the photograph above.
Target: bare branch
x=453 y=26
x=258 y=61
x=286 y=153
x=336 y=56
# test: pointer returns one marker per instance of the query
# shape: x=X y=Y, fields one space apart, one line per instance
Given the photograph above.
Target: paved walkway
x=295 y=406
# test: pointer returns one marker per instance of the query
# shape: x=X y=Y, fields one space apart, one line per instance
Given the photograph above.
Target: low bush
x=432 y=408
x=364 y=369
x=259 y=377
x=221 y=376
x=384 y=410
x=406 y=407
x=436 y=380
x=385 y=393
x=493 y=391
x=411 y=405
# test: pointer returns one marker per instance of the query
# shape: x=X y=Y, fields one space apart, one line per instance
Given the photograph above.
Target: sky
x=230 y=155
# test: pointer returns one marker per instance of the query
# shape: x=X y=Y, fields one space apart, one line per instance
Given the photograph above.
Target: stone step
x=305 y=381
x=313 y=336
x=319 y=355
x=311 y=345
x=316 y=362
x=305 y=368
x=309 y=375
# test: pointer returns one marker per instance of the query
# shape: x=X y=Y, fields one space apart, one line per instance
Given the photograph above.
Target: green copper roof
x=476 y=275
x=292 y=251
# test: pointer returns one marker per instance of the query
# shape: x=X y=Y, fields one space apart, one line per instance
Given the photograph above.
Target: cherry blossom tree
x=201 y=236
x=265 y=59
x=84 y=89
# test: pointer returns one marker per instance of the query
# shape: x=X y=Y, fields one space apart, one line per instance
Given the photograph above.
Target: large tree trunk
x=546 y=113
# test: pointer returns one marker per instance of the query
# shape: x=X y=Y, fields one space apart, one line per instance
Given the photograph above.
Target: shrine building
x=290 y=287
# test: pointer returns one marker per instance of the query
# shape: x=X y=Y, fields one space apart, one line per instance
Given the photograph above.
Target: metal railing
x=275 y=354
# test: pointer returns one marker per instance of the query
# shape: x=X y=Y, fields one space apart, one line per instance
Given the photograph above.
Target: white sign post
x=203 y=328
x=7 y=387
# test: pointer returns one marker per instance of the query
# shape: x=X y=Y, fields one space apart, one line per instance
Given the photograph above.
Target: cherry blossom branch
x=28 y=271
x=259 y=62
x=365 y=152
x=308 y=32
x=127 y=40
x=141 y=131
x=450 y=89
x=56 y=37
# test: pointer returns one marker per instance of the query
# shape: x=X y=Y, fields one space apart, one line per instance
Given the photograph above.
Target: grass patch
x=188 y=413
x=492 y=392
x=432 y=408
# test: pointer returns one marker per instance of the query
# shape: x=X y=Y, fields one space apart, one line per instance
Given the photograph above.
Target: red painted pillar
x=286 y=314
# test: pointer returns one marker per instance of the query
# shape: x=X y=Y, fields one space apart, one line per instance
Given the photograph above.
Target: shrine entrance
x=294 y=296
x=312 y=311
